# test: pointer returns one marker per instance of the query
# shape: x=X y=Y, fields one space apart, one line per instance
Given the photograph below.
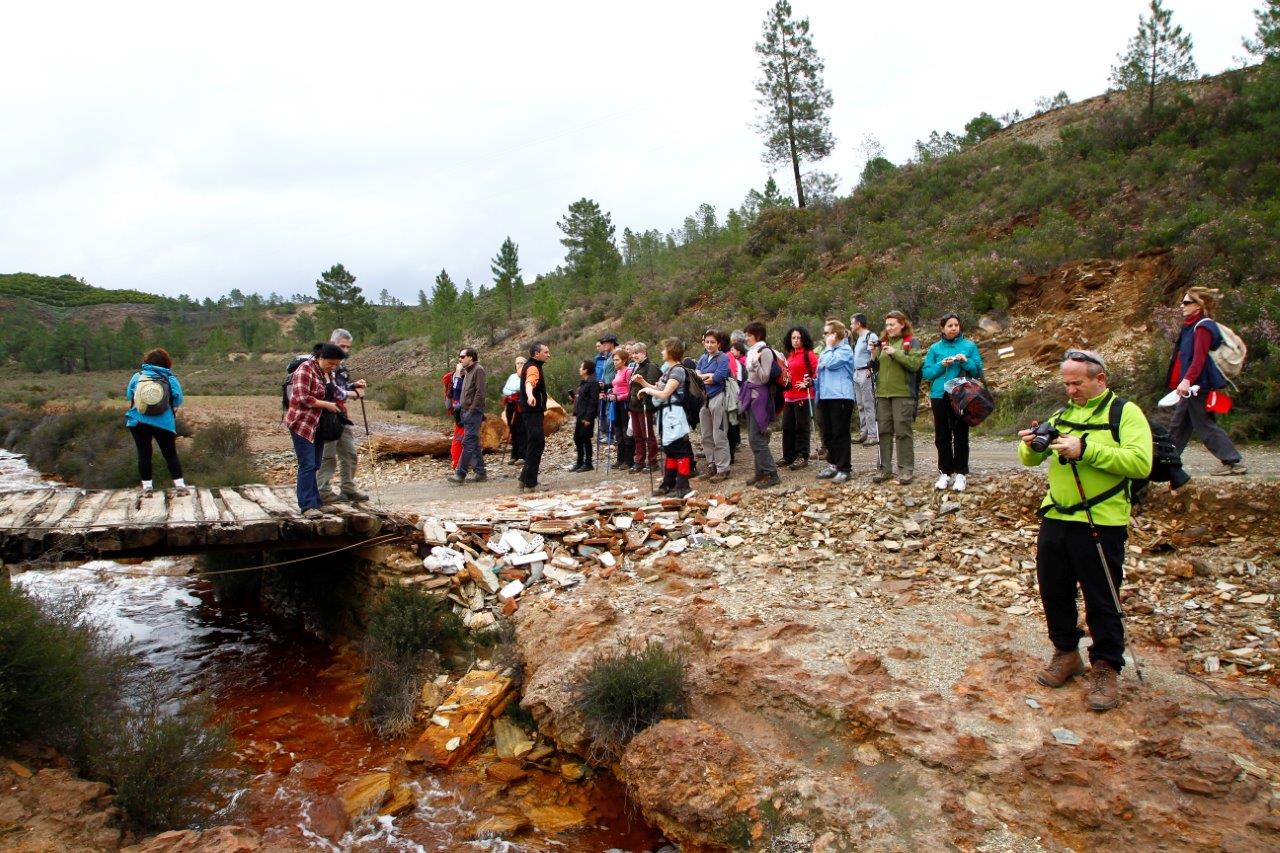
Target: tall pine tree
x=593 y=259
x=341 y=301
x=793 y=99
x=506 y=274
x=444 y=308
x=1158 y=53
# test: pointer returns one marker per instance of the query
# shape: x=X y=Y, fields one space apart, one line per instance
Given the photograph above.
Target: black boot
x=681 y=487
x=668 y=484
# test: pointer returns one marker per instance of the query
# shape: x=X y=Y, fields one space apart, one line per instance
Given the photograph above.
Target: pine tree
x=506 y=274
x=341 y=300
x=1265 y=43
x=1159 y=53
x=546 y=305
x=593 y=259
x=444 y=304
x=793 y=98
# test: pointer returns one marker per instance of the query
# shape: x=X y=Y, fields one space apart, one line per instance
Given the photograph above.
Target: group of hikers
x=860 y=383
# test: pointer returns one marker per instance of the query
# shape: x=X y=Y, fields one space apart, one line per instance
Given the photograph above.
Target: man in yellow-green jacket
x=1066 y=553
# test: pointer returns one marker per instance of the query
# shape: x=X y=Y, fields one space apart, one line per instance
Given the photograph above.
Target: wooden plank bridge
x=67 y=523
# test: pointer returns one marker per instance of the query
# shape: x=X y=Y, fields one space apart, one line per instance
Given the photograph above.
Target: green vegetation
x=67 y=291
x=622 y=694
x=66 y=684
x=408 y=634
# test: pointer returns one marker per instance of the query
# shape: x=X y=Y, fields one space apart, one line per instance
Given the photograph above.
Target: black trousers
x=535 y=441
x=583 y=439
x=795 y=431
x=950 y=436
x=834 y=418
x=516 y=421
x=735 y=438
x=142 y=435
x=624 y=445
x=1067 y=558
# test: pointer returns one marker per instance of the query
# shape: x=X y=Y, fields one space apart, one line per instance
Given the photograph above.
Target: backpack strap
x=1108 y=494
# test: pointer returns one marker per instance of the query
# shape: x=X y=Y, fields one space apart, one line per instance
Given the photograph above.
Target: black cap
x=610 y=338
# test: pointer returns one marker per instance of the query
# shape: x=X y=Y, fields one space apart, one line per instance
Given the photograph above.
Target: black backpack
x=288 y=377
x=694 y=392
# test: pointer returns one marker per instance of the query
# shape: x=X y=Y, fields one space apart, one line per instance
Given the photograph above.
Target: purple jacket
x=761 y=408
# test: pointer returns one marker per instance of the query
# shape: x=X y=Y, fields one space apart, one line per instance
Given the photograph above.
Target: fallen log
x=494 y=434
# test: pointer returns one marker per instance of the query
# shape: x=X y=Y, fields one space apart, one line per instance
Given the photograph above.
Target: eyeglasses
x=1080 y=355
x=1189 y=302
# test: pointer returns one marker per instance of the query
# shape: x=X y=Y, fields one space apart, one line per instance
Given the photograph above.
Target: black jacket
x=652 y=373
x=586 y=403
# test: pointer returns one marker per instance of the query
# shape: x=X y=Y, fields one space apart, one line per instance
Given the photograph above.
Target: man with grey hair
x=1085 y=520
x=341 y=454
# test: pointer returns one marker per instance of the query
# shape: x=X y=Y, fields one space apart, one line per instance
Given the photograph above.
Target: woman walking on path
x=673 y=423
x=895 y=397
x=1191 y=365
x=154 y=392
x=835 y=400
x=310 y=393
x=951 y=357
x=802 y=364
x=511 y=410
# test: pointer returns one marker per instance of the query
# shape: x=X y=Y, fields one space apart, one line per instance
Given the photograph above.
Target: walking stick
x=364 y=415
x=608 y=442
x=809 y=397
x=1115 y=597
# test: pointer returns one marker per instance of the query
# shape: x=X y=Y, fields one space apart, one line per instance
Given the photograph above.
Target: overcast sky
x=183 y=149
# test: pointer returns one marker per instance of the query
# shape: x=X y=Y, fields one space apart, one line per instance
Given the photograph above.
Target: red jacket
x=800 y=362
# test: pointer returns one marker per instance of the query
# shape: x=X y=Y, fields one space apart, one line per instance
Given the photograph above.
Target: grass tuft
x=624 y=693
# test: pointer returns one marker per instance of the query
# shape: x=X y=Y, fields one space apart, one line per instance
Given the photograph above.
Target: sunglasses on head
x=1080 y=355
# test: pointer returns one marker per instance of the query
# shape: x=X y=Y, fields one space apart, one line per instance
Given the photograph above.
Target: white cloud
x=180 y=149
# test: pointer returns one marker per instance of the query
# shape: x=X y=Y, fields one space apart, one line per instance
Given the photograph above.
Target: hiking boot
x=841 y=477
x=905 y=479
x=668 y=484
x=582 y=469
x=479 y=477
x=573 y=469
x=636 y=469
x=652 y=466
x=882 y=476
x=959 y=484
x=330 y=498
x=681 y=488
x=827 y=473
x=719 y=477
x=752 y=480
x=944 y=480
x=1230 y=469
x=355 y=495
x=798 y=464
x=1062 y=668
x=768 y=481
x=515 y=461
x=312 y=512
x=457 y=478
x=1104 y=686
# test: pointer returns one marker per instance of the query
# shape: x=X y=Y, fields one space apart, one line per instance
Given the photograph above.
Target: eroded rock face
x=221 y=839
x=695 y=783
x=55 y=810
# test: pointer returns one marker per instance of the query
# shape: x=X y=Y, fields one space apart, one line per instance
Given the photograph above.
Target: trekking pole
x=809 y=397
x=608 y=441
x=644 y=419
x=364 y=415
x=1106 y=571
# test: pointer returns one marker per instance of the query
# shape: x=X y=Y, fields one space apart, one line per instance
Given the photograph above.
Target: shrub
x=219 y=456
x=163 y=765
x=65 y=683
x=395 y=397
x=622 y=694
x=408 y=633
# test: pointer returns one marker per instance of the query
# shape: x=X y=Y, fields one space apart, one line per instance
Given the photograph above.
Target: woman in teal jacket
x=950 y=358
x=156 y=420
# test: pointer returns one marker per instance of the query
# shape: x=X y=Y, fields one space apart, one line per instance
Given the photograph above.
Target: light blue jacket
x=835 y=372
x=939 y=374
x=862 y=350
x=164 y=420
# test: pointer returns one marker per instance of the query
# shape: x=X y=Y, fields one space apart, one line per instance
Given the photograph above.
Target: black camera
x=1042 y=435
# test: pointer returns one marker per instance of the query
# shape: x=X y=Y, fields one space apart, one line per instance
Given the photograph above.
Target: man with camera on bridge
x=1085 y=519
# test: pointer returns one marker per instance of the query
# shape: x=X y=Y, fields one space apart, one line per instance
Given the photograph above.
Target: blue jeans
x=310 y=454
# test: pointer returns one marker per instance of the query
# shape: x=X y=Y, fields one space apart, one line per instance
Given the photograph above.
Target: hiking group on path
x=1101 y=450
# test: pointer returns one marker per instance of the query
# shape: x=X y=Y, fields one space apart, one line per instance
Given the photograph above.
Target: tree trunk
x=791 y=127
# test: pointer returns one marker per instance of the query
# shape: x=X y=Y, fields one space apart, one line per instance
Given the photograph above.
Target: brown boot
x=1104 y=686
x=1064 y=667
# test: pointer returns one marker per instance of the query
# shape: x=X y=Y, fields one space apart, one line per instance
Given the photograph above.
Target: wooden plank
x=82 y=517
x=186 y=526
x=149 y=510
x=292 y=524
x=211 y=511
x=358 y=522
x=253 y=523
x=57 y=509
x=23 y=508
x=107 y=533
